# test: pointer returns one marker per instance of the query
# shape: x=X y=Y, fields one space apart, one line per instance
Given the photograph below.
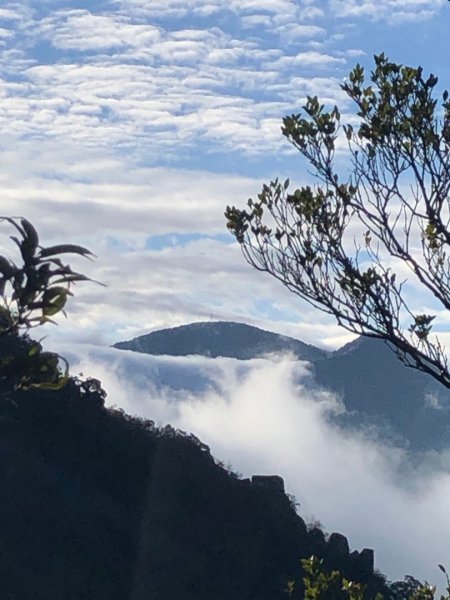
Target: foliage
x=320 y=584
x=41 y=286
x=30 y=294
x=294 y=503
x=412 y=589
x=397 y=192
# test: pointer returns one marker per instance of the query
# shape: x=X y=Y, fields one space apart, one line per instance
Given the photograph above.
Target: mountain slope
x=98 y=505
x=235 y=340
x=373 y=382
x=377 y=389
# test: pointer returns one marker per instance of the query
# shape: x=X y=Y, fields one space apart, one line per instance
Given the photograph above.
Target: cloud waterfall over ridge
x=263 y=417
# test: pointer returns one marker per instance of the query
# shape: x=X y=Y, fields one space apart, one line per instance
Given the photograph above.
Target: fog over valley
x=263 y=417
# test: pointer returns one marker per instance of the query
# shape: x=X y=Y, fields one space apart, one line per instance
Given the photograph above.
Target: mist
x=263 y=417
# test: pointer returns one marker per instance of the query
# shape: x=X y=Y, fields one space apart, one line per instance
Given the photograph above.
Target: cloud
x=178 y=9
x=296 y=31
x=165 y=105
x=251 y=21
x=393 y=11
x=180 y=284
x=79 y=30
x=168 y=9
x=145 y=75
x=307 y=60
x=117 y=79
x=285 y=11
x=9 y=14
x=259 y=416
x=115 y=208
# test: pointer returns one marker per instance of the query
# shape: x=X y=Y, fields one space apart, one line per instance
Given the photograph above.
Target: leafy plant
x=30 y=295
x=320 y=584
x=38 y=289
x=412 y=589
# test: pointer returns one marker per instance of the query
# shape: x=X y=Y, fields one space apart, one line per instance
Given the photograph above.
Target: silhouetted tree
x=397 y=192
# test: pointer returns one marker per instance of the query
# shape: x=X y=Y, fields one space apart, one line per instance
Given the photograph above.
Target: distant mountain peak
x=375 y=386
x=220 y=338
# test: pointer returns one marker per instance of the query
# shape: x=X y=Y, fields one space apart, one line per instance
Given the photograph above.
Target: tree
x=30 y=294
x=394 y=186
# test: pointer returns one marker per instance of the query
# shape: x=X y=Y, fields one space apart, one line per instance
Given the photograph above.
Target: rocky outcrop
x=274 y=483
x=333 y=550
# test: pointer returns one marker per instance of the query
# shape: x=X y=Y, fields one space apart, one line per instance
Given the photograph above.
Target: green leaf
x=7 y=268
x=31 y=235
x=72 y=277
x=34 y=350
x=54 y=300
x=65 y=249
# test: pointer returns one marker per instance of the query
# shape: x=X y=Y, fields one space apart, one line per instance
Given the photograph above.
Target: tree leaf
x=65 y=249
x=31 y=235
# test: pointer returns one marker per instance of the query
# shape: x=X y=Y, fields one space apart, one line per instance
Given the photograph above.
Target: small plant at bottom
x=322 y=585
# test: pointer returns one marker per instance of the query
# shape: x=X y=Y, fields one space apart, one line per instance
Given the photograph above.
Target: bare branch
x=397 y=190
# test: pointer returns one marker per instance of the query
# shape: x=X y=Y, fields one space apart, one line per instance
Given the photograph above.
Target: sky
x=129 y=125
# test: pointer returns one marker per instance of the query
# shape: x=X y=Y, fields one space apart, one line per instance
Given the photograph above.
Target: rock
x=337 y=546
x=317 y=542
x=271 y=482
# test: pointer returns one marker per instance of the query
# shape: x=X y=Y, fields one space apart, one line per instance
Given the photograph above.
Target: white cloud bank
x=257 y=416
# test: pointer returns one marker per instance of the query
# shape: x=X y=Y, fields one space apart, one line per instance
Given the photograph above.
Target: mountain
x=213 y=339
x=377 y=389
x=99 y=505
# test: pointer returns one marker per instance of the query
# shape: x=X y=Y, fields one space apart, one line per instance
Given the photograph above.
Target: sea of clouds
x=263 y=417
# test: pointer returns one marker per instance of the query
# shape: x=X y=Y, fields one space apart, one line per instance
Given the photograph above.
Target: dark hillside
x=95 y=504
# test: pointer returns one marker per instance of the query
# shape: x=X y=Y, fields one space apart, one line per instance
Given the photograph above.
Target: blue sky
x=129 y=125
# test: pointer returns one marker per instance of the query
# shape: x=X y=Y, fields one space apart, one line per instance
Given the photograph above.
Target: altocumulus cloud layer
x=262 y=417
x=129 y=125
